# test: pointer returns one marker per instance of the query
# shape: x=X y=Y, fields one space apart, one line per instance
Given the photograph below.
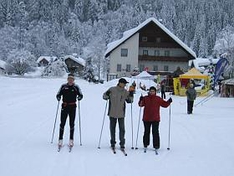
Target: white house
x=150 y=46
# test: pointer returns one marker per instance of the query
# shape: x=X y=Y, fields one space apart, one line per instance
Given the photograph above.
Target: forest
x=85 y=27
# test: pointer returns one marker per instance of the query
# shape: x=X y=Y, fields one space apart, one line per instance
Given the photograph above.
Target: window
x=155 y=68
x=124 y=52
x=144 y=39
x=158 y=40
x=119 y=67
x=128 y=68
x=145 y=52
x=167 y=53
x=166 y=68
x=142 y=67
x=156 y=53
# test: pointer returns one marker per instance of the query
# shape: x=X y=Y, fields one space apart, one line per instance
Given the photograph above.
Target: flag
x=219 y=69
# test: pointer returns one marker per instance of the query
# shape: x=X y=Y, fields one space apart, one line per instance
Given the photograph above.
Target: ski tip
x=132 y=148
x=136 y=148
x=168 y=148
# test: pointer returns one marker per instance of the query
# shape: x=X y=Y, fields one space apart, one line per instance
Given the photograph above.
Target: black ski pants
x=155 y=132
x=163 y=95
x=71 y=111
x=190 y=106
x=113 y=122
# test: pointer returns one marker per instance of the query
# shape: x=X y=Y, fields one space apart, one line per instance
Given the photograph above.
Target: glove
x=108 y=93
x=131 y=93
x=80 y=97
x=141 y=98
x=169 y=100
x=58 y=97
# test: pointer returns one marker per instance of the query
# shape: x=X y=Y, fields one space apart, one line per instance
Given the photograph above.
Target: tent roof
x=144 y=75
x=193 y=73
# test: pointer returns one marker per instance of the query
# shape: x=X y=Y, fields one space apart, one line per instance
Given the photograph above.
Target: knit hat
x=152 y=88
x=70 y=75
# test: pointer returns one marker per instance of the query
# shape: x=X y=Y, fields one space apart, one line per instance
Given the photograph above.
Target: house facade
x=74 y=64
x=150 y=46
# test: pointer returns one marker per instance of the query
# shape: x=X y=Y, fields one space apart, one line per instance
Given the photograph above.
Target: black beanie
x=152 y=88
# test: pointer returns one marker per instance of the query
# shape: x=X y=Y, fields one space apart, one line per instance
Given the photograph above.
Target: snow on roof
x=228 y=81
x=126 y=35
x=48 y=58
x=76 y=59
x=201 y=62
x=2 y=64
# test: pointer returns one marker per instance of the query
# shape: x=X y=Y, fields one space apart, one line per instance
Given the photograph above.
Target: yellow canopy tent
x=202 y=82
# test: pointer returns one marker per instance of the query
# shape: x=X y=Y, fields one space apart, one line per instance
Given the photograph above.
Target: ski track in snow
x=201 y=143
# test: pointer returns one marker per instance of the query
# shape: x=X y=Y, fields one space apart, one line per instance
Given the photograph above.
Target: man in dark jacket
x=191 y=96
x=151 y=116
x=70 y=92
x=117 y=97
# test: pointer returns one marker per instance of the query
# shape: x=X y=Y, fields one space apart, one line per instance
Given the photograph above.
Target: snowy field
x=201 y=144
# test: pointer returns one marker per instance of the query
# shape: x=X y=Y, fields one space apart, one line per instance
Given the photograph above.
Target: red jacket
x=152 y=105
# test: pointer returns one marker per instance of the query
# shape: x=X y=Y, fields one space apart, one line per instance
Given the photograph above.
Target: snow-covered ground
x=201 y=143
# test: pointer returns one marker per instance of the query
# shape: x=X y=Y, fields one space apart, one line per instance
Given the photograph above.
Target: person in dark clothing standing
x=70 y=93
x=151 y=116
x=191 y=96
x=117 y=96
x=163 y=88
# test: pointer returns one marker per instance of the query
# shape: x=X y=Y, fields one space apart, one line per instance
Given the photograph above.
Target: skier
x=70 y=92
x=117 y=96
x=151 y=116
x=191 y=96
x=163 y=95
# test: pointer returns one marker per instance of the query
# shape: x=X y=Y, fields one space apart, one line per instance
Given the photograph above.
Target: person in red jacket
x=151 y=116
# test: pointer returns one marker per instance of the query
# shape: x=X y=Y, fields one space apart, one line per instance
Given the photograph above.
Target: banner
x=219 y=69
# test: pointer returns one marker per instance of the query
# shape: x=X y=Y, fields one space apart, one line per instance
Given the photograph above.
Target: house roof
x=48 y=58
x=2 y=64
x=76 y=59
x=201 y=62
x=228 y=81
x=126 y=35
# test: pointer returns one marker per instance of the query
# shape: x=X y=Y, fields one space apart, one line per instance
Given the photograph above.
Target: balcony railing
x=162 y=58
x=158 y=45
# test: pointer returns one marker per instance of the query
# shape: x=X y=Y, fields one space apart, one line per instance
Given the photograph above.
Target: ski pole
x=132 y=126
x=52 y=138
x=169 y=131
x=79 y=122
x=138 y=128
x=205 y=99
x=103 y=121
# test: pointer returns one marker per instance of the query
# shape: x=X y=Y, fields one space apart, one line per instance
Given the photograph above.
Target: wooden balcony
x=162 y=58
x=158 y=45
